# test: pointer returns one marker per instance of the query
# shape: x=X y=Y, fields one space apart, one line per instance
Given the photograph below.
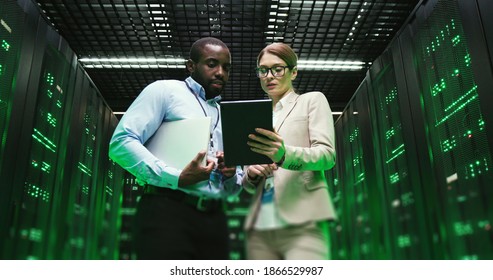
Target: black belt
x=200 y=203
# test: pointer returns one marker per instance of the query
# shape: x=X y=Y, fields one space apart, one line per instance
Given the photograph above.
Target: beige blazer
x=301 y=192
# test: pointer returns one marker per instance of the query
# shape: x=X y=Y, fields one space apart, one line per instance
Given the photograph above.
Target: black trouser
x=167 y=229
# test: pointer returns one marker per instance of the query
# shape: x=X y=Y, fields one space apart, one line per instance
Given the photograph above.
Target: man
x=180 y=215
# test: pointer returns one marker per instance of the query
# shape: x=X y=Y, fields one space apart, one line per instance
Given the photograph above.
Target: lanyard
x=205 y=113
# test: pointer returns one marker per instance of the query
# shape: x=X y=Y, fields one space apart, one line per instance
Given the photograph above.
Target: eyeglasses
x=277 y=71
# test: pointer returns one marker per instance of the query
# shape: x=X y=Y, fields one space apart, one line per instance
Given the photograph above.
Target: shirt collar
x=283 y=101
x=197 y=89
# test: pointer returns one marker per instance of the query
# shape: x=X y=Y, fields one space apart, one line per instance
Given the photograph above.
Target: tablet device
x=238 y=120
x=176 y=143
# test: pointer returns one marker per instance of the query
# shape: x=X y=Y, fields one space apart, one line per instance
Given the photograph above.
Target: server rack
x=478 y=28
x=361 y=218
x=109 y=236
x=49 y=210
x=431 y=137
x=39 y=166
x=10 y=49
x=396 y=160
x=337 y=232
x=131 y=196
x=455 y=130
x=15 y=57
x=236 y=210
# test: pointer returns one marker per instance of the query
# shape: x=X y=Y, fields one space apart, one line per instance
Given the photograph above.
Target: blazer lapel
x=291 y=100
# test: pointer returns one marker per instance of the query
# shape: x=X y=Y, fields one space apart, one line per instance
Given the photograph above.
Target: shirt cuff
x=168 y=177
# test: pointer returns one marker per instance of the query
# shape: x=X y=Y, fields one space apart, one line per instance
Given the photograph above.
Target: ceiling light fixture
x=135 y=62
x=330 y=65
x=179 y=63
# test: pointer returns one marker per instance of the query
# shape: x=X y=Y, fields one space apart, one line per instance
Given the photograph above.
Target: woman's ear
x=294 y=73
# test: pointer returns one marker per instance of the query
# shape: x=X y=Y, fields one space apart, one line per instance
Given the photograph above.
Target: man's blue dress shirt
x=164 y=101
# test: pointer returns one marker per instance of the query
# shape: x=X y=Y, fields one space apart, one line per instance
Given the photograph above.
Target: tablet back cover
x=238 y=120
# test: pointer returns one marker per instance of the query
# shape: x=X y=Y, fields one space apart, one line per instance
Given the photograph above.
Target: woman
x=289 y=216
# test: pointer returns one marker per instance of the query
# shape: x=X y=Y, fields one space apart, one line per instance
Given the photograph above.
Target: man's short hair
x=197 y=46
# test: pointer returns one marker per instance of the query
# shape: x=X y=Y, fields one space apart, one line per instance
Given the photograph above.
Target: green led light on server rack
x=37 y=192
x=460 y=103
x=108 y=190
x=360 y=178
x=50 y=79
x=391 y=97
x=456 y=40
x=5 y=45
x=353 y=135
x=33 y=234
x=85 y=189
x=462 y=228
x=89 y=151
x=45 y=167
x=467 y=60
x=38 y=136
x=394 y=178
x=438 y=87
x=448 y=144
x=481 y=124
x=389 y=133
x=484 y=224
x=404 y=241
x=477 y=167
x=407 y=199
x=51 y=120
x=84 y=169
x=441 y=38
x=396 y=153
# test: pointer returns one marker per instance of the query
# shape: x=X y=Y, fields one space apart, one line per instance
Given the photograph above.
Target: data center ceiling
x=125 y=45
